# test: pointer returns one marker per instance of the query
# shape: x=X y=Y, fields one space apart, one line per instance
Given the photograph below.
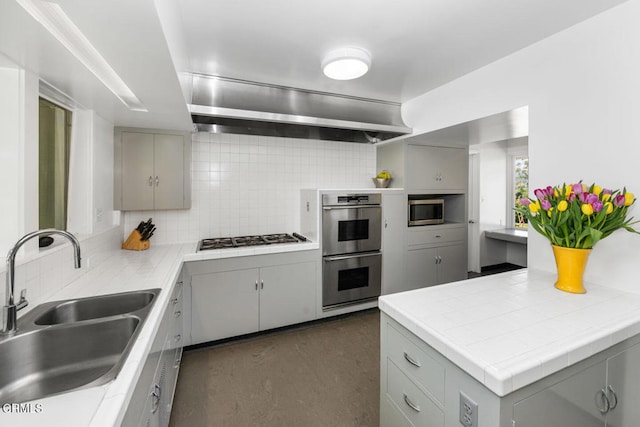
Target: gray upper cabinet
x=152 y=170
x=425 y=169
x=436 y=168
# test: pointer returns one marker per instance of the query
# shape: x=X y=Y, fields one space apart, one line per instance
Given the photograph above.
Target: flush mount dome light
x=346 y=63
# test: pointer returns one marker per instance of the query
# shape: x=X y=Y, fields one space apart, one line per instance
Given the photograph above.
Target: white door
x=474 y=214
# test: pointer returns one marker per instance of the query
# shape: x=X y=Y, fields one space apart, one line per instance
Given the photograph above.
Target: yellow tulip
x=606 y=197
x=549 y=211
x=563 y=205
x=534 y=207
x=567 y=190
x=609 y=207
x=597 y=190
x=555 y=193
x=628 y=199
x=587 y=209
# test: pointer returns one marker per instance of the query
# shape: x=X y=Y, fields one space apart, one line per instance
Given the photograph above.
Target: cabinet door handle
x=177 y=314
x=174 y=301
x=157 y=180
x=612 y=397
x=150 y=181
x=411 y=404
x=601 y=397
x=261 y=284
x=256 y=285
x=412 y=360
x=178 y=338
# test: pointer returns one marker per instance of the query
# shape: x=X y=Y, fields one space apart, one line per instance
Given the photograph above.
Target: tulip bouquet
x=577 y=216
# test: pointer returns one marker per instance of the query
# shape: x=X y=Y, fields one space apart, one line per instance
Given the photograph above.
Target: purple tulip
x=572 y=197
x=549 y=191
x=539 y=193
x=619 y=200
x=597 y=206
x=525 y=202
x=591 y=199
x=545 y=204
x=582 y=197
x=606 y=191
x=577 y=188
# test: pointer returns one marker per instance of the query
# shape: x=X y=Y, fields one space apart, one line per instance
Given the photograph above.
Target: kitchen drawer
x=426 y=235
x=412 y=402
x=421 y=367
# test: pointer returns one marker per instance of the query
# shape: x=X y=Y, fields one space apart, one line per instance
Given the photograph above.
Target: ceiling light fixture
x=53 y=18
x=346 y=63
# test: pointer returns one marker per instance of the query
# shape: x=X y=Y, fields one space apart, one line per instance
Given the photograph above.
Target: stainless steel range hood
x=223 y=105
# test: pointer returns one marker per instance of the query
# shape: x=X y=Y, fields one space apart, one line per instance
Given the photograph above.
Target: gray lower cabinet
x=420 y=387
x=230 y=303
x=435 y=266
x=604 y=394
x=152 y=399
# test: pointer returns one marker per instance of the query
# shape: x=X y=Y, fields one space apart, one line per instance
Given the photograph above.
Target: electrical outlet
x=468 y=411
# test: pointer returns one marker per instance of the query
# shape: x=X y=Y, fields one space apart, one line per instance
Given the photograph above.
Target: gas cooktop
x=244 y=241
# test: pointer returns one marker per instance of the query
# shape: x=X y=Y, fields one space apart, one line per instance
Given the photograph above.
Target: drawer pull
x=155 y=398
x=410 y=404
x=411 y=360
x=174 y=301
x=177 y=314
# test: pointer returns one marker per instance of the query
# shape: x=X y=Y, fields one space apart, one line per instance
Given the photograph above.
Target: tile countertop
x=512 y=329
x=121 y=271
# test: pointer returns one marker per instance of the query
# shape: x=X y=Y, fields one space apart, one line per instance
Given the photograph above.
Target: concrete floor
x=323 y=374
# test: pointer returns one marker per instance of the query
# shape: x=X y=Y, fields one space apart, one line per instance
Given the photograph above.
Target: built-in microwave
x=425 y=210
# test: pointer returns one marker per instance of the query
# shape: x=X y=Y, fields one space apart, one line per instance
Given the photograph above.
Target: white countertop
x=121 y=271
x=512 y=329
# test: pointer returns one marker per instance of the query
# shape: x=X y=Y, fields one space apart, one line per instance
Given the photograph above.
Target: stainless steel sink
x=94 y=307
x=84 y=349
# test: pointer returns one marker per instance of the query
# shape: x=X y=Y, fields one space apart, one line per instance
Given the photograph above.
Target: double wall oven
x=351 y=241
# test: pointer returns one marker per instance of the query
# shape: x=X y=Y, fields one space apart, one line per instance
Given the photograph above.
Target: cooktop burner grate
x=244 y=241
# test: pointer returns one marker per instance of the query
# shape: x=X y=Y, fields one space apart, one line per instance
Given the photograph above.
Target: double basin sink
x=66 y=345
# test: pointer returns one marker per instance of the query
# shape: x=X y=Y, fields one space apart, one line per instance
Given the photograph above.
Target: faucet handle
x=23 y=300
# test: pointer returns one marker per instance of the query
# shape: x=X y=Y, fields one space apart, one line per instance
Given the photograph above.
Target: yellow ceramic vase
x=571 y=263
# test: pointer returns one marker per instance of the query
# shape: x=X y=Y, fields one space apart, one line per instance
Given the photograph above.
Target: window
x=54 y=148
x=520 y=188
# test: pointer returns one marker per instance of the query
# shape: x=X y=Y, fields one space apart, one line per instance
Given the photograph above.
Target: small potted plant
x=574 y=218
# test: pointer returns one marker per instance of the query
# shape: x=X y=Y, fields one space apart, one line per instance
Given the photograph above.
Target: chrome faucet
x=10 y=309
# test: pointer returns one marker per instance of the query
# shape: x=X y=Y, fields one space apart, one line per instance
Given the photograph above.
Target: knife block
x=134 y=242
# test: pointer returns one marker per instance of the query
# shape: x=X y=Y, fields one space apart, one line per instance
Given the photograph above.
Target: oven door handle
x=329 y=208
x=343 y=257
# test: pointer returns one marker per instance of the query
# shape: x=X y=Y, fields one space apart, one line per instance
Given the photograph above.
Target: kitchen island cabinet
x=528 y=356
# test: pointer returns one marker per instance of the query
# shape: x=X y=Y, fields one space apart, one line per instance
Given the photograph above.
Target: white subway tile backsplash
x=243 y=184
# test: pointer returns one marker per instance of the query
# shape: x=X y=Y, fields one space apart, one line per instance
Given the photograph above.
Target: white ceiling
x=415 y=45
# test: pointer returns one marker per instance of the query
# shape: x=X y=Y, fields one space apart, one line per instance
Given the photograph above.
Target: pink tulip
x=545 y=204
x=577 y=188
x=524 y=201
x=619 y=200
x=539 y=193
